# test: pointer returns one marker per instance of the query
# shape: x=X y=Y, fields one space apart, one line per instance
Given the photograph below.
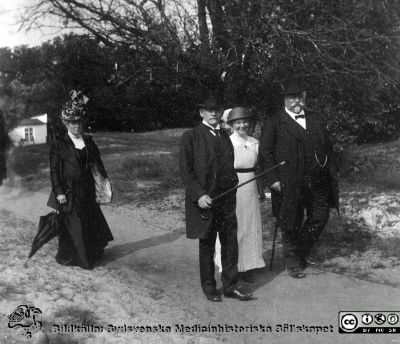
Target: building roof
x=42 y=118
x=30 y=121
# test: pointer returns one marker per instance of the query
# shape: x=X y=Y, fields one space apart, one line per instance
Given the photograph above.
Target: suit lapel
x=313 y=127
x=207 y=129
x=290 y=125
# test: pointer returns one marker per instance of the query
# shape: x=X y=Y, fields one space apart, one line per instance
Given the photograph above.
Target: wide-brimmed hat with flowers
x=75 y=108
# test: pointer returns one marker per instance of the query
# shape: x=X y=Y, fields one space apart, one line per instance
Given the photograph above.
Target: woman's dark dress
x=86 y=231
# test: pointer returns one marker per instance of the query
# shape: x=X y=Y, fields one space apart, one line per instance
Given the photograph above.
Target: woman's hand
x=62 y=199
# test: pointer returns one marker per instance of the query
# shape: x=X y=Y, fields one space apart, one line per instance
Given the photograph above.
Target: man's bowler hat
x=292 y=86
x=238 y=113
x=210 y=100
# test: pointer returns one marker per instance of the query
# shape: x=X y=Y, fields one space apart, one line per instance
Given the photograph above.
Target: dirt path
x=149 y=276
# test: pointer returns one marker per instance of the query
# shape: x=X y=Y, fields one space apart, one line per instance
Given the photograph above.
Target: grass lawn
x=144 y=170
x=142 y=167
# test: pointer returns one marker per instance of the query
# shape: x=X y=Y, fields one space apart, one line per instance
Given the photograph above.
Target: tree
x=348 y=48
x=129 y=89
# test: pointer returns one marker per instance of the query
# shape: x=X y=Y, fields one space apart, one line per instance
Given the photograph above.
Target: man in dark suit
x=206 y=167
x=307 y=183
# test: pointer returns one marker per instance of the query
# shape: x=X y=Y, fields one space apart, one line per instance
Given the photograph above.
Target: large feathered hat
x=75 y=108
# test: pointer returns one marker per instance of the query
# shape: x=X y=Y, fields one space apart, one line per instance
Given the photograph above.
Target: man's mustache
x=302 y=105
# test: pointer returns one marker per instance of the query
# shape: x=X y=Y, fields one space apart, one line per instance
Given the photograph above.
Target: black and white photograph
x=199 y=171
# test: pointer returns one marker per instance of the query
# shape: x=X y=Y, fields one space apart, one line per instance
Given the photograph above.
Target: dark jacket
x=65 y=172
x=206 y=168
x=281 y=140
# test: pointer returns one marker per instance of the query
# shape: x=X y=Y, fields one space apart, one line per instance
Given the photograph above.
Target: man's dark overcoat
x=201 y=160
x=281 y=140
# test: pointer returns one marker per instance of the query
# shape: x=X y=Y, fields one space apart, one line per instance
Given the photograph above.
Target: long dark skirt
x=85 y=234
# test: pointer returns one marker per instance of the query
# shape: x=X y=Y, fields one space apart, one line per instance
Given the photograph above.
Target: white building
x=30 y=131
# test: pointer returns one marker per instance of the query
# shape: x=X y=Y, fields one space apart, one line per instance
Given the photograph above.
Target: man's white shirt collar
x=211 y=127
x=301 y=121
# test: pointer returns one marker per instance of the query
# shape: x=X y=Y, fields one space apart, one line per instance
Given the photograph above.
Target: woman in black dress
x=73 y=155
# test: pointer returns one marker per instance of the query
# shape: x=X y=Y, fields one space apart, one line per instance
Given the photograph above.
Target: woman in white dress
x=248 y=211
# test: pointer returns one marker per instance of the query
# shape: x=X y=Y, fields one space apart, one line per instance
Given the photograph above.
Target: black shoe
x=310 y=262
x=296 y=273
x=213 y=296
x=241 y=293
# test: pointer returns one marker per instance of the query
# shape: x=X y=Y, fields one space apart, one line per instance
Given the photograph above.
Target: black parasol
x=49 y=227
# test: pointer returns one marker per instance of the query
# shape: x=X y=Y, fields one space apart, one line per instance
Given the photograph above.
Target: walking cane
x=271 y=262
x=204 y=213
x=248 y=181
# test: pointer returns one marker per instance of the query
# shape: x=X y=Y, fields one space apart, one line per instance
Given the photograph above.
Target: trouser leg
x=317 y=207
x=291 y=240
x=229 y=243
x=206 y=258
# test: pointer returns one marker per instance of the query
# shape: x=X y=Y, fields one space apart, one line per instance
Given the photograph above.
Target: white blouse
x=246 y=151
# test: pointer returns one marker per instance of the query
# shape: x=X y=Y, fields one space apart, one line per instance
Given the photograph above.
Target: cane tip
x=26 y=264
x=282 y=163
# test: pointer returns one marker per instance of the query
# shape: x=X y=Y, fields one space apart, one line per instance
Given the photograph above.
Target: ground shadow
x=351 y=248
x=265 y=275
x=123 y=250
x=346 y=247
x=345 y=237
x=342 y=237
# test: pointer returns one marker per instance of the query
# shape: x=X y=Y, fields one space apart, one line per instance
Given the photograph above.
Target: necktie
x=217 y=141
x=216 y=132
x=299 y=116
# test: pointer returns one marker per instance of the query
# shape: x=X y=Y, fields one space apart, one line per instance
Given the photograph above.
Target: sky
x=9 y=35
